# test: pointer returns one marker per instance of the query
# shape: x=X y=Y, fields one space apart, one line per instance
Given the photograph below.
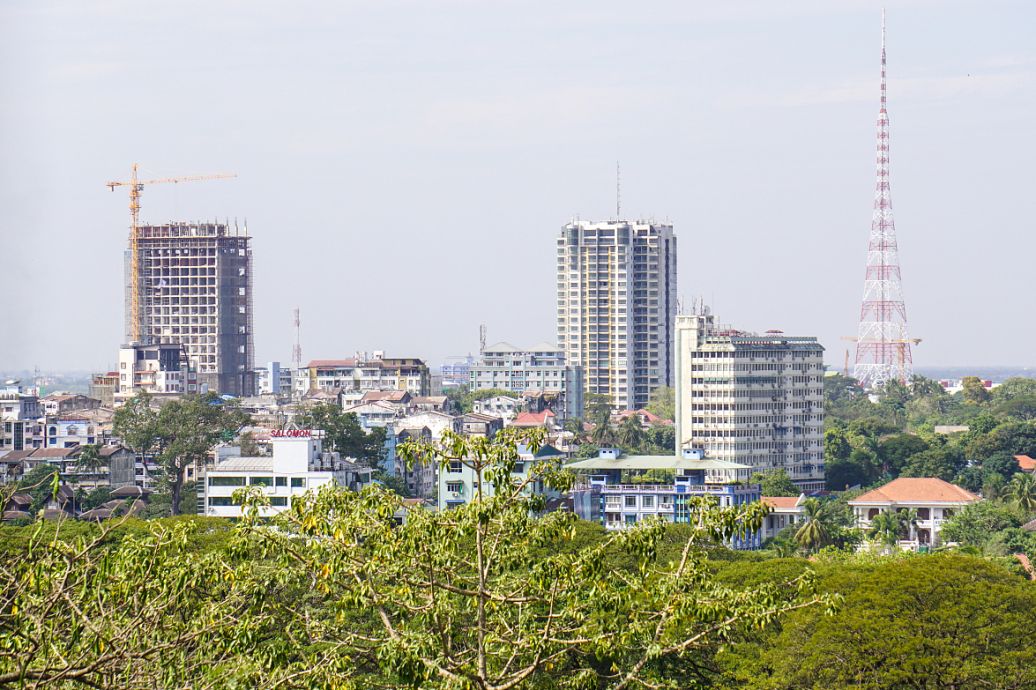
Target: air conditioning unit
x=454 y=494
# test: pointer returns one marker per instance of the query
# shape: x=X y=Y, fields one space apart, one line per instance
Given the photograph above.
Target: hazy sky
x=405 y=166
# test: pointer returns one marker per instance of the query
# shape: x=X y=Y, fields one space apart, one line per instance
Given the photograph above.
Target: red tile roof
x=391 y=396
x=781 y=501
x=916 y=490
x=532 y=418
x=1025 y=463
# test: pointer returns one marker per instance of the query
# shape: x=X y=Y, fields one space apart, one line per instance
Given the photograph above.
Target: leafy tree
x=815 y=529
x=182 y=433
x=776 y=483
x=344 y=434
x=1014 y=387
x=587 y=450
x=40 y=482
x=944 y=463
x=662 y=438
x=1022 y=491
x=942 y=621
x=977 y=522
x=662 y=402
x=1022 y=407
x=973 y=390
x=885 y=528
x=1010 y=438
x=96 y=497
x=249 y=448
x=895 y=451
x=921 y=386
x=488 y=596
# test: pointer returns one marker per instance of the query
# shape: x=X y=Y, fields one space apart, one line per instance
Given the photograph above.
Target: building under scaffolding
x=195 y=287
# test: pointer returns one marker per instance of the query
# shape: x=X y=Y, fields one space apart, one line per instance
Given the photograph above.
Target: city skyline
x=474 y=181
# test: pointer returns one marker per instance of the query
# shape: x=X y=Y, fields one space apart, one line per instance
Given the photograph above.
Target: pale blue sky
x=405 y=166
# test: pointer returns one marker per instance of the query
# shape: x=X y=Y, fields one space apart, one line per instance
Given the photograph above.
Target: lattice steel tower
x=883 y=344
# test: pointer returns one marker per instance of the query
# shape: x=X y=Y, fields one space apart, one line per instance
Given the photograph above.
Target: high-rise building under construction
x=616 y=306
x=195 y=289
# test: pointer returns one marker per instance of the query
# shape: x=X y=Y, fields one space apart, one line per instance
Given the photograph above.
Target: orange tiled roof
x=781 y=501
x=1025 y=463
x=532 y=418
x=916 y=490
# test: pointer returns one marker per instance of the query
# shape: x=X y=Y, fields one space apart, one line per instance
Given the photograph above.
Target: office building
x=195 y=290
x=752 y=399
x=541 y=368
x=616 y=307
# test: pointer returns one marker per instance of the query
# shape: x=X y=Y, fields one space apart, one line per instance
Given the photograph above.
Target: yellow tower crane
x=136 y=186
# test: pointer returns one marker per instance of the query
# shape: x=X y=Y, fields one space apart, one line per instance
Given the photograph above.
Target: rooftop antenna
x=618 y=191
x=481 y=338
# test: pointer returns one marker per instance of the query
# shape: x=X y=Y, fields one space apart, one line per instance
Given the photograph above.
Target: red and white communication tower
x=883 y=343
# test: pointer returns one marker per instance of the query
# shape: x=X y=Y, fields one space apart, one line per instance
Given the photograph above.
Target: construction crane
x=136 y=186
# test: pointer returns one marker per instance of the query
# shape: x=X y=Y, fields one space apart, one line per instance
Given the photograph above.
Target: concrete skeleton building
x=616 y=306
x=195 y=289
x=540 y=368
x=751 y=399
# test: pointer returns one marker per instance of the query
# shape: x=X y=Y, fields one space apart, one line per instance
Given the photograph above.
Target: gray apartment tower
x=195 y=283
x=617 y=306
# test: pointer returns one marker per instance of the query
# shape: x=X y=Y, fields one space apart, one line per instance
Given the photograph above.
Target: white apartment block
x=539 y=368
x=365 y=372
x=195 y=289
x=299 y=464
x=751 y=399
x=273 y=379
x=616 y=307
x=160 y=370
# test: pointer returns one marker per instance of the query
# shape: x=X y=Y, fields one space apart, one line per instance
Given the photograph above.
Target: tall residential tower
x=616 y=306
x=195 y=289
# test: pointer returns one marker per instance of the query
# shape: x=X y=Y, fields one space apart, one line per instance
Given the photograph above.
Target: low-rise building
x=162 y=369
x=366 y=372
x=66 y=403
x=618 y=491
x=103 y=388
x=933 y=499
x=784 y=511
x=458 y=482
x=67 y=431
x=502 y=406
x=298 y=464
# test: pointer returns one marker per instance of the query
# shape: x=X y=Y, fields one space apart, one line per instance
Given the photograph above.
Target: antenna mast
x=296 y=351
x=618 y=191
x=883 y=345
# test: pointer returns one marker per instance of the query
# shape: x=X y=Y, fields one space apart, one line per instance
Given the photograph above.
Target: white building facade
x=751 y=399
x=299 y=464
x=616 y=307
x=162 y=369
x=932 y=500
x=539 y=368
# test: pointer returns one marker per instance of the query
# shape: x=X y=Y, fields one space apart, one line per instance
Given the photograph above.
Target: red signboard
x=291 y=433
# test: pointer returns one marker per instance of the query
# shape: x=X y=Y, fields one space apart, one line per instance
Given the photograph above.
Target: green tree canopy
x=344 y=434
x=776 y=483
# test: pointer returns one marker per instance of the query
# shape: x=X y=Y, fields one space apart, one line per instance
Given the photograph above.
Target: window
x=519 y=467
x=279 y=501
x=226 y=481
x=648 y=501
x=631 y=501
x=261 y=481
x=280 y=481
x=455 y=487
x=220 y=501
x=455 y=466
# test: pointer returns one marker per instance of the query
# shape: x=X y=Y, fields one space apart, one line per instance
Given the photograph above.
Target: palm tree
x=1022 y=492
x=815 y=530
x=885 y=530
x=631 y=433
x=90 y=458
